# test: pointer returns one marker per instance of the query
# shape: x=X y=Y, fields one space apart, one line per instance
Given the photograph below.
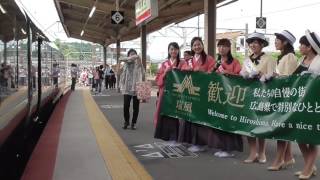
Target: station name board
x=146 y=10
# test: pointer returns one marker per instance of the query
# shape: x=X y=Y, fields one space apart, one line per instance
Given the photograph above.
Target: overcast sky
x=293 y=15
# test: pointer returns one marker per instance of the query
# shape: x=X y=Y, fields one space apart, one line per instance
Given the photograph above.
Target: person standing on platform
x=193 y=133
x=259 y=66
x=98 y=77
x=74 y=75
x=286 y=65
x=113 y=79
x=133 y=72
x=226 y=142
x=90 y=76
x=310 y=49
x=167 y=128
x=107 y=77
x=187 y=57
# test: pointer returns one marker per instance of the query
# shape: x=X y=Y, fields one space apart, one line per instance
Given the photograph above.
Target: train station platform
x=78 y=143
x=84 y=139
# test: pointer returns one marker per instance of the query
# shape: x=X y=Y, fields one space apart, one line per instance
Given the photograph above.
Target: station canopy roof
x=13 y=23
x=74 y=15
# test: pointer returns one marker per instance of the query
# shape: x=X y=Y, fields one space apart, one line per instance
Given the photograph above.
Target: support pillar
x=143 y=36
x=210 y=24
x=104 y=56
x=118 y=65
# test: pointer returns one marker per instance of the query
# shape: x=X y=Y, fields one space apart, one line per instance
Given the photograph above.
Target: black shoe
x=133 y=126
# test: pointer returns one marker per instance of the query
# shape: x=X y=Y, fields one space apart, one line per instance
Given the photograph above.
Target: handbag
x=143 y=90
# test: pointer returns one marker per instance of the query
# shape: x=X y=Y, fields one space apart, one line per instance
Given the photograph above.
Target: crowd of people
x=95 y=77
x=260 y=66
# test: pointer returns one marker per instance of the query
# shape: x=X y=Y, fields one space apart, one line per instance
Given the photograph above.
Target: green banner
x=285 y=108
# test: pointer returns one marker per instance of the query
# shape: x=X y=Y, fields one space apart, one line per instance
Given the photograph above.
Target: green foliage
x=238 y=56
x=153 y=69
x=74 y=49
x=298 y=54
x=276 y=54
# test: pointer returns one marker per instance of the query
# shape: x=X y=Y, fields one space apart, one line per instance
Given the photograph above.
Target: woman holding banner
x=286 y=65
x=310 y=49
x=226 y=142
x=194 y=133
x=166 y=127
x=259 y=65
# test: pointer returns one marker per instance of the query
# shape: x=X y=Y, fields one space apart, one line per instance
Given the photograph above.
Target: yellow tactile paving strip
x=121 y=163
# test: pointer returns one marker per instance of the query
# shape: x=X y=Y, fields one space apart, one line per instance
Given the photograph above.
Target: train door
x=34 y=88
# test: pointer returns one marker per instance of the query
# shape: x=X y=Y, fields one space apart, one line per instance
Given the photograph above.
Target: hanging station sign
x=261 y=22
x=146 y=10
x=117 y=17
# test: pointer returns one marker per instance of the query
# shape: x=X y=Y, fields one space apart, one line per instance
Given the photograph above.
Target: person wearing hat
x=287 y=61
x=261 y=66
x=310 y=63
x=286 y=65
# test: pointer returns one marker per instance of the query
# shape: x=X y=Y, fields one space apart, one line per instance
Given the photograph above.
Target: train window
x=1 y=51
x=23 y=63
x=55 y=71
x=45 y=65
x=34 y=65
x=11 y=63
x=8 y=75
x=63 y=69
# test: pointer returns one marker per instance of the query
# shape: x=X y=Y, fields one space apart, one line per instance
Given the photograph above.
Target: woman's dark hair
x=260 y=41
x=188 y=52
x=303 y=40
x=227 y=43
x=176 y=46
x=130 y=51
x=203 y=54
x=288 y=48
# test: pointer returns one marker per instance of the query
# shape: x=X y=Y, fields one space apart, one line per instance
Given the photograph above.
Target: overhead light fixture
x=2 y=9
x=92 y=11
x=81 y=34
x=224 y=3
x=23 y=31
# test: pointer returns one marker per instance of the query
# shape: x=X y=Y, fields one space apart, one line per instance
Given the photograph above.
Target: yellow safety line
x=121 y=163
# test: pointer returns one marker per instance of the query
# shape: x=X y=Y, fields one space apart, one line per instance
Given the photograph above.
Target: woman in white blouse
x=286 y=65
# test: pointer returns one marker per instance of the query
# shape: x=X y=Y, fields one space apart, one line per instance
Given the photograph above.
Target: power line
x=35 y=19
x=272 y=12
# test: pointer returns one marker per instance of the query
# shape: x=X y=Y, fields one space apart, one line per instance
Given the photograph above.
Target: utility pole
x=265 y=30
x=260 y=8
x=118 y=65
x=198 y=25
